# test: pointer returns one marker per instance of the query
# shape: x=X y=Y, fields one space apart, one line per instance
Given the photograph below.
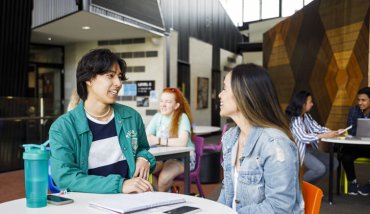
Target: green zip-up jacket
x=70 y=140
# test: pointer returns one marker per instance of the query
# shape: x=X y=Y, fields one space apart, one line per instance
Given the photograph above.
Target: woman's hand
x=332 y=134
x=329 y=134
x=142 y=168
x=136 y=185
x=341 y=131
x=153 y=140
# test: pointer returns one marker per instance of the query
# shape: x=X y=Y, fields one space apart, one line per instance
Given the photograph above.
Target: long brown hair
x=257 y=99
x=184 y=107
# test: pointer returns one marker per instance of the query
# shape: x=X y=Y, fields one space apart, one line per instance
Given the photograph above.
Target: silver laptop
x=363 y=129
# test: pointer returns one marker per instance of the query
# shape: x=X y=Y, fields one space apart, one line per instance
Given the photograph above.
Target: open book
x=124 y=203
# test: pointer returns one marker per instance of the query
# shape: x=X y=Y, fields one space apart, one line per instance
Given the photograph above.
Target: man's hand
x=136 y=185
x=142 y=168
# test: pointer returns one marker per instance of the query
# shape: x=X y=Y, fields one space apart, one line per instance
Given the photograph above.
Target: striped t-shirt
x=105 y=155
x=305 y=130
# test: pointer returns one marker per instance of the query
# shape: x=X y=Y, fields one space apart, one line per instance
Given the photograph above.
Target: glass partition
x=23 y=121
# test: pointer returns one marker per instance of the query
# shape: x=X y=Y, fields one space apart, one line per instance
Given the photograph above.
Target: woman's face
x=168 y=104
x=104 y=88
x=228 y=105
x=308 y=104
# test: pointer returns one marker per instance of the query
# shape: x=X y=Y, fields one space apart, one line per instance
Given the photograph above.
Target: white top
x=205 y=129
x=81 y=205
x=234 y=153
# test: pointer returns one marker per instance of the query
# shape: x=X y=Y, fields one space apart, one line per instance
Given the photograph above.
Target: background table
x=167 y=152
x=199 y=130
x=81 y=205
x=333 y=141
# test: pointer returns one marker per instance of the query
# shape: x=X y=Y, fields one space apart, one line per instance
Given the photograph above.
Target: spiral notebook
x=126 y=203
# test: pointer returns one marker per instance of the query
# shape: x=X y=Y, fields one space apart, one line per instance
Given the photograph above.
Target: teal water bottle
x=36 y=162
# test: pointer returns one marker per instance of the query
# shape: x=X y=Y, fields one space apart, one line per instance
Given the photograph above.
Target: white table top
x=165 y=150
x=81 y=205
x=205 y=129
x=341 y=140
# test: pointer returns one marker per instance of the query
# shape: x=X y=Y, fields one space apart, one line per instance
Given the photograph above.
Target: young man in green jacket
x=100 y=146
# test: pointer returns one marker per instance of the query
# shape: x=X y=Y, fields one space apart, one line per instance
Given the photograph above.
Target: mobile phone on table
x=57 y=200
x=183 y=209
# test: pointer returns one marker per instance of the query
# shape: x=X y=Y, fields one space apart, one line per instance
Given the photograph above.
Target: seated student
x=307 y=133
x=171 y=126
x=351 y=152
x=261 y=165
x=100 y=146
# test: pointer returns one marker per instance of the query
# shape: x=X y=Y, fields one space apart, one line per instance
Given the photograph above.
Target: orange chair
x=312 y=196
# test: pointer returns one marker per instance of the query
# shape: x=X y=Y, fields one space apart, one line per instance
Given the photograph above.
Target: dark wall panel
x=15 y=34
x=205 y=20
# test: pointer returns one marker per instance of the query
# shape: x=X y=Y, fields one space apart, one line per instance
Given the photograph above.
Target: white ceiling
x=69 y=30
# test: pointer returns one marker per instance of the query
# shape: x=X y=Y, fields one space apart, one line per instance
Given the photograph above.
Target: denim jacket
x=268 y=179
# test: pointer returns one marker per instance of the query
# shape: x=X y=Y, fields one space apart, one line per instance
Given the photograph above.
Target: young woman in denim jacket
x=261 y=165
x=100 y=146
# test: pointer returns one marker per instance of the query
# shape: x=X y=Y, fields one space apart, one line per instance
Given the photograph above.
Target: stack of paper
x=124 y=203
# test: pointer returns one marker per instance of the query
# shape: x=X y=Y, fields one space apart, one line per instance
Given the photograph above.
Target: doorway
x=46 y=77
x=183 y=78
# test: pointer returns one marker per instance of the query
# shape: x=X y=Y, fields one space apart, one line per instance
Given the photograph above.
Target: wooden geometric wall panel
x=324 y=48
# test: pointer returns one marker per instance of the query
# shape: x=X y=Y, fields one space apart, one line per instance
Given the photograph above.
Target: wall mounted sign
x=144 y=88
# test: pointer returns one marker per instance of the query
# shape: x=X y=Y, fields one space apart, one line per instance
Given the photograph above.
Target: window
x=291 y=6
x=270 y=9
x=253 y=10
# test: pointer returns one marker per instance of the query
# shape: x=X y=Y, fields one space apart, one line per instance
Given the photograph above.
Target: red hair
x=184 y=107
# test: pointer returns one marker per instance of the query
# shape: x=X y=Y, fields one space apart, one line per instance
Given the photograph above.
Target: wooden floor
x=12 y=187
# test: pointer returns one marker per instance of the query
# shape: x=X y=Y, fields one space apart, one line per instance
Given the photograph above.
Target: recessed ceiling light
x=86 y=27
x=49 y=38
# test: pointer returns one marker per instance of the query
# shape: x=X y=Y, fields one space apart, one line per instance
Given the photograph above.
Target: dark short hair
x=96 y=62
x=295 y=106
x=364 y=90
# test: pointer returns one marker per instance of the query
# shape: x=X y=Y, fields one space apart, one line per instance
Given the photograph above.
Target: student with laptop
x=307 y=133
x=351 y=152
